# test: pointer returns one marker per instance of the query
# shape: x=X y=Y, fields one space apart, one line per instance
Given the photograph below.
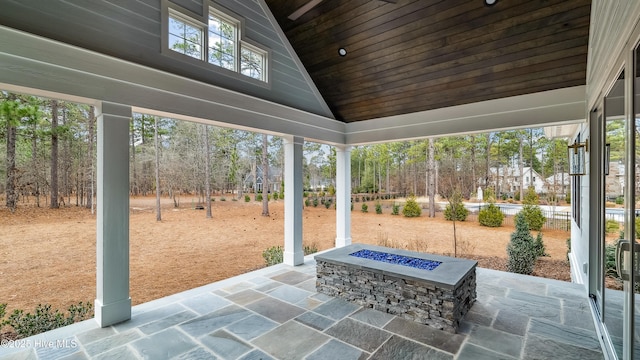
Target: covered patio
x=275 y=313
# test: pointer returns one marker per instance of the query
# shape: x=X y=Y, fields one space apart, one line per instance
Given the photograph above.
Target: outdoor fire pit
x=433 y=290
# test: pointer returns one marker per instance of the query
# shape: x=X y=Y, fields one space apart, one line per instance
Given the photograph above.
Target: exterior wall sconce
x=577 y=156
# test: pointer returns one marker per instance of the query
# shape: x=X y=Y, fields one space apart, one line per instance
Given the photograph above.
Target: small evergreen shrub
x=222 y=198
x=310 y=249
x=411 y=208
x=327 y=203
x=491 y=216
x=247 y=198
x=307 y=202
x=395 y=209
x=533 y=215
x=567 y=198
x=259 y=197
x=539 y=247
x=273 y=255
x=315 y=202
x=521 y=251
x=456 y=210
x=531 y=211
x=45 y=319
x=364 y=208
x=378 y=208
x=611 y=226
x=620 y=200
x=489 y=195
x=351 y=206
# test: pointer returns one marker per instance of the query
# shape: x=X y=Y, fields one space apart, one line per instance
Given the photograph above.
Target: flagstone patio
x=275 y=313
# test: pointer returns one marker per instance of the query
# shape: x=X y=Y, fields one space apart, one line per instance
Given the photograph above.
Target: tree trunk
x=431 y=171
x=522 y=170
x=487 y=162
x=207 y=170
x=34 y=162
x=134 y=189
x=265 y=176
x=91 y=136
x=474 y=180
x=54 y=155
x=157 y=148
x=10 y=184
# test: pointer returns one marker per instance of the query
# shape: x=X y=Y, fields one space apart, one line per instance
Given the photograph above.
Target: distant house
x=507 y=180
x=558 y=184
x=275 y=178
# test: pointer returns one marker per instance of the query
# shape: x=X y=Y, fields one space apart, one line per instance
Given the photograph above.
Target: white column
x=293 y=253
x=113 y=304
x=343 y=196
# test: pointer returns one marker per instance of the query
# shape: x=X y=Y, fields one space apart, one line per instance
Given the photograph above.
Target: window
x=218 y=42
x=184 y=37
x=252 y=62
x=222 y=41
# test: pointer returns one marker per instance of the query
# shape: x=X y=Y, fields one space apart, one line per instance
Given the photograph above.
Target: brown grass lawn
x=48 y=256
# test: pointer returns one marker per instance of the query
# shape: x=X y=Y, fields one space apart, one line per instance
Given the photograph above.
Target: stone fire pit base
x=438 y=298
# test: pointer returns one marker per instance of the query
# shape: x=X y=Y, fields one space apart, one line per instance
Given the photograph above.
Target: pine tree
x=521 y=250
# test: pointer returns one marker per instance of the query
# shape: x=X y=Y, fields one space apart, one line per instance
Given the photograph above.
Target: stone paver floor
x=275 y=313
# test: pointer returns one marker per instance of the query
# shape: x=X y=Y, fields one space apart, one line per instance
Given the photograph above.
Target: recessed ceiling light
x=342 y=52
x=490 y=2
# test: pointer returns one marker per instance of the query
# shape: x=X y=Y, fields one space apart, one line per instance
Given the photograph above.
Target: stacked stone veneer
x=395 y=289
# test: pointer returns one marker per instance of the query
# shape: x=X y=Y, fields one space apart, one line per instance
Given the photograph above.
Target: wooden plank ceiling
x=416 y=55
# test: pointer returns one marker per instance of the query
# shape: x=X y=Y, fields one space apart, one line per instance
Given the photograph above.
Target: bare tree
x=207 y=170
x=91 y=135
x=431 y=175
x=265 y=175
x=54 y=155
x=157 y=148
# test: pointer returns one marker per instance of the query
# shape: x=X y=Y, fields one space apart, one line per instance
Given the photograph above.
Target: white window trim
x=202 y=22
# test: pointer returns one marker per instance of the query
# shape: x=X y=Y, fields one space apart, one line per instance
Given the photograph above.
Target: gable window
x=223 y=41
x=216 y=39
x=185 y=37
x=252 y=62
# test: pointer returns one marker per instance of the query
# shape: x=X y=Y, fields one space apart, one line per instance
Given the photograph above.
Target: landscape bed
x=438 y=295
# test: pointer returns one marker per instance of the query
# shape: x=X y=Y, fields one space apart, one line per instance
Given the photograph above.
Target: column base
x=293 y=258
x=342 y=242
x=117 y=312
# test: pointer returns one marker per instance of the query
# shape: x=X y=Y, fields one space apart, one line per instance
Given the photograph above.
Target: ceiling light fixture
x=490 y=2
x=342 y=51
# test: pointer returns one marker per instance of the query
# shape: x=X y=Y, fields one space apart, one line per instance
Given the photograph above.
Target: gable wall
x=131 y=30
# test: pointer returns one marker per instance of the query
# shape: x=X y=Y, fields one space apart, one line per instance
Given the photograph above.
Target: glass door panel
x=614 y=209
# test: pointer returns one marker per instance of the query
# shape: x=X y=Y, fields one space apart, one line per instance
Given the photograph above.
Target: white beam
x=113 y=304
x=293 y=252
x=547 y=108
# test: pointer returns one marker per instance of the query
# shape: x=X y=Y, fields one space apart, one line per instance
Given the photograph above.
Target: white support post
x=343 y=196
x=293 y=253
x=113 y=304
